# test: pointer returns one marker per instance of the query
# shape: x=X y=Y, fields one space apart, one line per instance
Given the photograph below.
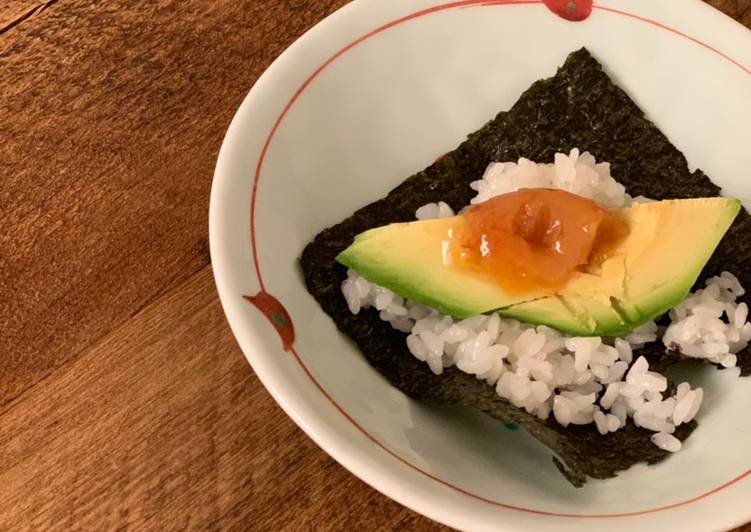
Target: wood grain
x=162 y=426
x=111 y=118
x=124 y=401
x=14 y=12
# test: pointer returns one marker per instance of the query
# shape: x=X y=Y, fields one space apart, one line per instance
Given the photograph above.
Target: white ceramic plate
x=376 y=92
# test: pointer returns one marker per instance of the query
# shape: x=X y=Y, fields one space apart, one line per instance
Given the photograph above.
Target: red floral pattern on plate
x=574 y=10
x=277 y=315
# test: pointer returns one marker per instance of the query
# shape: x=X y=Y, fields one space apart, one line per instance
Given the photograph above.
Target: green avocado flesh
x=648 y=273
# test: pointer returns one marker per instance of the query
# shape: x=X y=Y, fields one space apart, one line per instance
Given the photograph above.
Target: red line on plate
x=660 y=25
x=314 y=75
x=490 y=501
x=259 y=166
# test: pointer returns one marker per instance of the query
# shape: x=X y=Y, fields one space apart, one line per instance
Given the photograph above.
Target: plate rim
x=217 y=260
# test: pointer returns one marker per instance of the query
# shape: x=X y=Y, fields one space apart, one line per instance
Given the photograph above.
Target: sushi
x=600 y=404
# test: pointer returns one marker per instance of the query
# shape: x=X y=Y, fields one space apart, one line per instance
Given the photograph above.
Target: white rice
x=710 y=324
x=577 y=380
x=576 y=173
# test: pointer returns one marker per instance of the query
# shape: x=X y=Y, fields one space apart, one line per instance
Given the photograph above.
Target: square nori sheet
x=578 y=107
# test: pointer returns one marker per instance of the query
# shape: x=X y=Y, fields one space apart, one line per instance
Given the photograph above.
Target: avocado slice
x=554 y=312
x=408 y=259
x=648 y=273
x=573 y=314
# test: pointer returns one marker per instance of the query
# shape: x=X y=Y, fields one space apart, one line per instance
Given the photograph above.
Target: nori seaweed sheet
x=578 y=107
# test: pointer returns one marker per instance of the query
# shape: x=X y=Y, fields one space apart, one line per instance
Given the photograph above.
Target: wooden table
x=124 y=399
